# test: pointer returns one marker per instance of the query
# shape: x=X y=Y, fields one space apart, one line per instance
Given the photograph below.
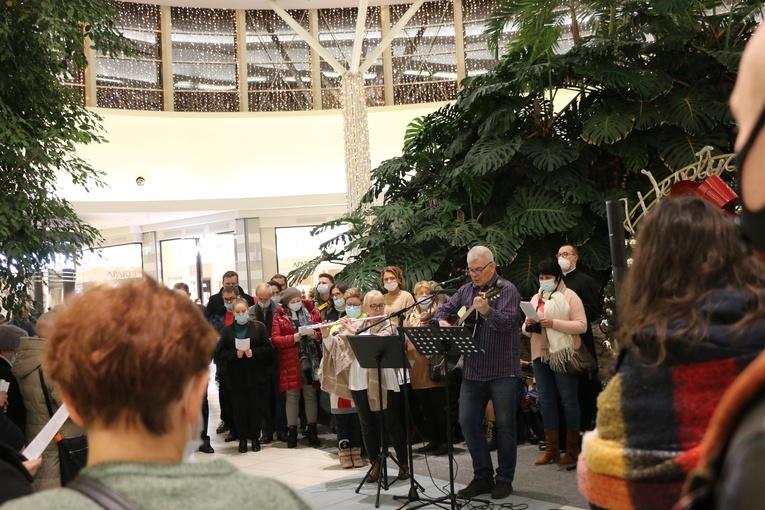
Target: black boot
x=292 y=437
x=255 y=445
x=243 y=446
x=313 y=437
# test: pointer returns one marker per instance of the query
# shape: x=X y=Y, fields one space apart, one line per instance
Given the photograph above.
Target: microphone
x=452 y=281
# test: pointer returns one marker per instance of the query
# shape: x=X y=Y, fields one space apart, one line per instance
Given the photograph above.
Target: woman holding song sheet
x=247 y=351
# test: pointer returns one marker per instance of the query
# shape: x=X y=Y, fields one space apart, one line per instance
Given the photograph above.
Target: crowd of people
x=679 y=424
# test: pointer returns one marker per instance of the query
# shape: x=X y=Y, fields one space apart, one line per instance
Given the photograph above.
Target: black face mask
x=752 y=223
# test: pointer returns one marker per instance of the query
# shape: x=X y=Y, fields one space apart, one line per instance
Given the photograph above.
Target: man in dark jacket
x=10 y=339
x=273 y=411
x=220 y=320
x=215 y=306
x=588 y=291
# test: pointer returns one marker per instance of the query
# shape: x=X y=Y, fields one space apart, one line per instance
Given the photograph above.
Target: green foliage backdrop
x=41 y=122
x=501 y=166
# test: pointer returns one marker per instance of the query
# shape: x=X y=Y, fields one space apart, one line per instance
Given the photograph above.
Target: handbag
x=437 y=368
x=581 y=362
x=72 y=452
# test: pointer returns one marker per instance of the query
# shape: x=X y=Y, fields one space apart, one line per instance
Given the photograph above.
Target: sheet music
x=4 y=385
x=242 y=344
x=528 y=310
x=43 y=439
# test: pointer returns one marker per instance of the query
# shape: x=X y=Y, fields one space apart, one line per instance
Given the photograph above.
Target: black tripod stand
x=379 y=352
x=444 y=341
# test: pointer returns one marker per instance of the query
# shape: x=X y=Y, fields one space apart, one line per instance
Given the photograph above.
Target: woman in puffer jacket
x=27 y=371
x=299 y=361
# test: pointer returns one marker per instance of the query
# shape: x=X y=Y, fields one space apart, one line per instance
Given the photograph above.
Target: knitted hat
x=10 y=337
x=289 y=294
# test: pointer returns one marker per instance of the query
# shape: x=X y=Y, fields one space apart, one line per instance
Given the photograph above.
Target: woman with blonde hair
x=396 y=297
x=691 y=318
x=363 y=384
x=428 y=393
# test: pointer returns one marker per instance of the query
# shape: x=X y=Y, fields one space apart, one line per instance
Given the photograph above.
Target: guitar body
x=470 y=317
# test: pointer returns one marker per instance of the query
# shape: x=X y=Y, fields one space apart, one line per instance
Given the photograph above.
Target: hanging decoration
x=358 y=164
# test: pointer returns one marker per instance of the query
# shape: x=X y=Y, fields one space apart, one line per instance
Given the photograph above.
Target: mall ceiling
x=263 y=4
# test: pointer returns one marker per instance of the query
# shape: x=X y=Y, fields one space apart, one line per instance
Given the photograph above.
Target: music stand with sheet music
x=379 y=352
x=444 y=341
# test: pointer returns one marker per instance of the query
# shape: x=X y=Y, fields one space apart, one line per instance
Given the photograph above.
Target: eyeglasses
x=476 y=272
x=229 y=300
x=565 y=255
x=381 y=306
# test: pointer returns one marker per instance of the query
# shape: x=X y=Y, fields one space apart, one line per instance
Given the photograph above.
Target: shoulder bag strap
x=45 y=392
x=105 y=496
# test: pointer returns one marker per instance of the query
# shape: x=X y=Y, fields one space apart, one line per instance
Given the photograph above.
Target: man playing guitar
x=493 y=374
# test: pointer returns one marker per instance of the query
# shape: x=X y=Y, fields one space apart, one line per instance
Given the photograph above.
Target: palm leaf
x=364 y=272
x=305 y=271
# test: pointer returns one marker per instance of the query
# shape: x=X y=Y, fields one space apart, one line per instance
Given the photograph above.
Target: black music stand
x=444 y=341
x=379 y=352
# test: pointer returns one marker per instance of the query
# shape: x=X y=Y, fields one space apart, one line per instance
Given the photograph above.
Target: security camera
x=140 y=181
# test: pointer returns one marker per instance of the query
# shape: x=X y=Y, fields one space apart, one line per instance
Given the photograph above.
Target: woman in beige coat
x=26 y=369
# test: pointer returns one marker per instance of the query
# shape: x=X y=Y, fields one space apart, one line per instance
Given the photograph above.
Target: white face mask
x=426 y=303
x=390 y=287
x=264 y=304
x=296 y=306
x=547 y=285
x=564 y=264
x=322 y=289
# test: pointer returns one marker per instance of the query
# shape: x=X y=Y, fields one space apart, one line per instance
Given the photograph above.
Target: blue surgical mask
x=242 y=319
x=277 y=300
x=229 y=306
x=265 y=304
x=426 y=303
x=547 y=285
x=296 y=306
x=13 y=359
x=339 y=303
x=322 y=288
x=353 y=311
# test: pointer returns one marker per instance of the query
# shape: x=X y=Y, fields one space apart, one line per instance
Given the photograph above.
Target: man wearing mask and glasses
x=492 y=374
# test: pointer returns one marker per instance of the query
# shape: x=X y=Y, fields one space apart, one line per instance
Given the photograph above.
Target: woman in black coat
x=246 y=371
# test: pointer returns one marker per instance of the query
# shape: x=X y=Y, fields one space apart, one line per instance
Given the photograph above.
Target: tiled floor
x=317 y=475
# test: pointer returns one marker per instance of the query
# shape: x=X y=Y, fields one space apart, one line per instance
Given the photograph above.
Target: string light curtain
x=204 y=60
x=358 y=165
x=279 y=76
x=478 y=58
x=337 y=32
x=424 y=54
x=133 y=83
x=75 y=78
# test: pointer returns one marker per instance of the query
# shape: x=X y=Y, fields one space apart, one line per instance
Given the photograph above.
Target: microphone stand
x=413 y=484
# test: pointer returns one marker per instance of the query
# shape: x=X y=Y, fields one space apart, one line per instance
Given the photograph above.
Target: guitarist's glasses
x=479 y=270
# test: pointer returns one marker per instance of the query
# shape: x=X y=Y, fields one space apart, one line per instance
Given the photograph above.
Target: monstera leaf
x=541 y=211
x=647 y=84
x=678 y=148
x=596 y=253
x=685 y=108
x=607 y=125
x=552 y=155
x=523 y=270
x=490 y=154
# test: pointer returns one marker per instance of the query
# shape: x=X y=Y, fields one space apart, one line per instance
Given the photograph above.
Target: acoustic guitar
x=469 y=318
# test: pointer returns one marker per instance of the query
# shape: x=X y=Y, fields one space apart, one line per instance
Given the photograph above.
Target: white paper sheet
x=4 y=385
x=305 y=330
x=242 y=344
x=43 y=439
x=528 y=309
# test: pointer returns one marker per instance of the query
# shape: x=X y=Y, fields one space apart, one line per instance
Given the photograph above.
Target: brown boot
x=375 y=473
x=572 y=448
x=356 y=457
x=346 y=461
x=552 y=451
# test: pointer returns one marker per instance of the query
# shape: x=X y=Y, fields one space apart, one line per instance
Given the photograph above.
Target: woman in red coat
x=299 y=360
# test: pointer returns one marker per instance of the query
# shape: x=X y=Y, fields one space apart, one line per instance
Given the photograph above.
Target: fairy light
x=133 y=83
x=475 y=14
x=279 y=76
x=356 y=137
x=337 y=32
x=204 y=60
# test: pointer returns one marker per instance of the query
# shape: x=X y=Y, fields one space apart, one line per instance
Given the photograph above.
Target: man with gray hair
x=492 y=374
